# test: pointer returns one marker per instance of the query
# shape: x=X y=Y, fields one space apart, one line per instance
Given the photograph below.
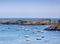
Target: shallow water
x=15 y=34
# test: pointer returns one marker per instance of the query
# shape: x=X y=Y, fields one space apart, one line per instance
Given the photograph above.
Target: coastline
x=55 y=25
x=27 y=22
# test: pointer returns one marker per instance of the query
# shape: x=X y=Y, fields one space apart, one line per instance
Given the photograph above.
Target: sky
x=29 y=8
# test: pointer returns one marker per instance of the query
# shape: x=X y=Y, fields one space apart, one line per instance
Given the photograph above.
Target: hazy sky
x=29 y=9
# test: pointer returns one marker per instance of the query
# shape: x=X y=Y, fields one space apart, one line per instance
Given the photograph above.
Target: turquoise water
x=15 y=34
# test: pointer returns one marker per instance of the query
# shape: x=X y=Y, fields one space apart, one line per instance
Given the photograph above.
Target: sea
x=28 y=34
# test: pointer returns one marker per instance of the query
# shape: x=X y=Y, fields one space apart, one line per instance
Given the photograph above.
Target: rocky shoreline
x=55 y=25
x=26 y=22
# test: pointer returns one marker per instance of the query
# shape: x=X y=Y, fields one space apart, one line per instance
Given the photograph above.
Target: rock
x=42 y=37
x=54 y=27
x=38 y=39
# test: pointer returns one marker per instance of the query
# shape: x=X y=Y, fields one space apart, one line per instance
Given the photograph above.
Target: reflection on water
x=27 y=34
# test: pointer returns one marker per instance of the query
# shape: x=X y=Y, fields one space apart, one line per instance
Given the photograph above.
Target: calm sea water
x=15 y=34
x=28 y=18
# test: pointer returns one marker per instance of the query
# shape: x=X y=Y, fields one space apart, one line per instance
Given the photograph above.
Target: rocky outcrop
x=54 y=27
x=10 y=21
x=44 y=22
x=37 y=22
x=25 y=22
x=29 y=22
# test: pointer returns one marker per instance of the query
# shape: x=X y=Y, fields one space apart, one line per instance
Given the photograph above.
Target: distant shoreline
x=26 y=22
x=55 y=25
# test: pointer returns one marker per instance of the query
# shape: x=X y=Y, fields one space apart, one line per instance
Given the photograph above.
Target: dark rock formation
x=54 y=27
